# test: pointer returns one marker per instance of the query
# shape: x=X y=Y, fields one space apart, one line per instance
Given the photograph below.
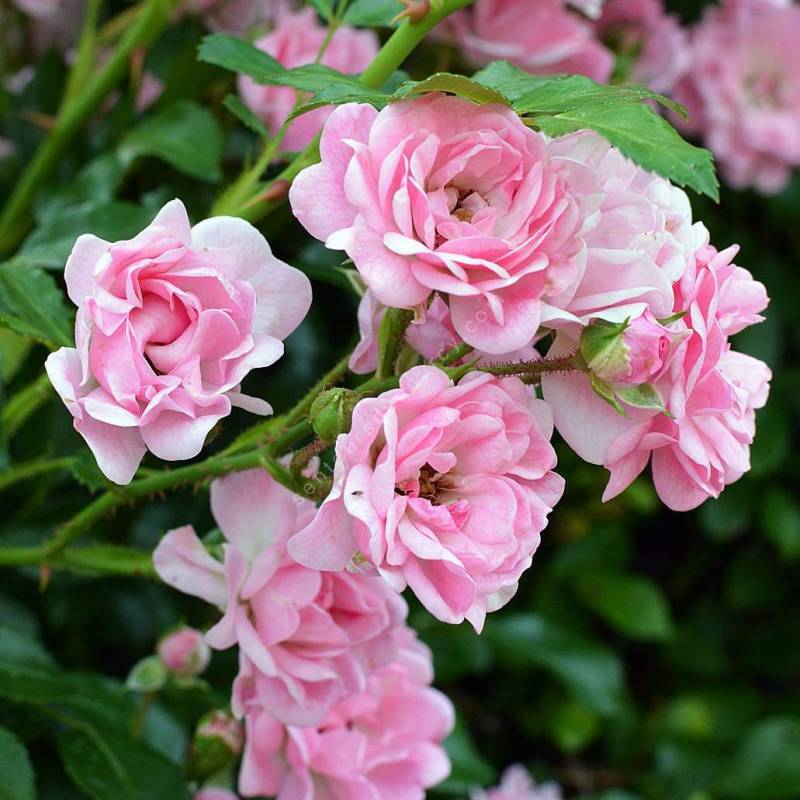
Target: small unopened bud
x=332 y=412
x=148 y=675
x=215 y=793
x=219 y=738
x=628 y=353
x=184 y=653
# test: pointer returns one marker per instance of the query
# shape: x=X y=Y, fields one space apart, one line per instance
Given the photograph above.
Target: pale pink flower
x=591 y=8
x=184 y=652
x=384 y=742
x=660 y=46
x=542 y=37
x=517 y=784
x=168 y=325
x=637 y=246
x=438 y=194
x=306 y=638
x=441 y=488
x=295 y=42
x=432 y=335
x=710 y=391
x=6 y=149
x=743 y=91
x=215 y=793
x=38 y=9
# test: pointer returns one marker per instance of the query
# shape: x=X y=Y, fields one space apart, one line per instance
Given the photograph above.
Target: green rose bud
x=219 y=738
x=332 y=411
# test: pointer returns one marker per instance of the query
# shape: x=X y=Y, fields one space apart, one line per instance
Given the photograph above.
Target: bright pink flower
x=656 y=41
x=184 y=652
x=306 y=638
x=438 y=194
x=441 y=488
x=710 y=391
x=743 y=90
x=384 y=742
x=517 y=784
x=168 y=325
x=544 y=37
x=638 y=244
x=215 y=793
x=295 y=42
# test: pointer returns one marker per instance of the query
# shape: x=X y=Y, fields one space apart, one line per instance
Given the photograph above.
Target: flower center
x=427 y=485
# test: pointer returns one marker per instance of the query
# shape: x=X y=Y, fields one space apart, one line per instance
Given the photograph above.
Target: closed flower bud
x=218 y=739
x=626 y=353
x=184 y=653
x=331 y=413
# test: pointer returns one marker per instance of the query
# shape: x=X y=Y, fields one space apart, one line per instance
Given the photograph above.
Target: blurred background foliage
x=647 y=654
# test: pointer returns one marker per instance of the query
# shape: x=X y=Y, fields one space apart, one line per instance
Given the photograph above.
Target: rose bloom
x=306 y=639
x=168 y=325
x=295 y=42
x=441 y=488
x=638 y=245
x=544 y=37
x=384 y=742
x=438 y=194
x=184 y=652
x=710 y=391
x=517 y=784
x=743 y=91
x=431 y=336
x=655 y=40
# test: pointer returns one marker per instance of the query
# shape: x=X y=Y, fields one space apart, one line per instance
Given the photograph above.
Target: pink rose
x=710 y=391
x=517 y=784
x=168 y=325
x=220 y=727
x=655 y=40
x=743 y=90
x=431 y=336
x=306 y=638
x=637 y=246
x=441 y=488
x=184 y=652
x=384 y=742
x=295 y=42
x=438 y=194
x=215 y=793
x=544 y=37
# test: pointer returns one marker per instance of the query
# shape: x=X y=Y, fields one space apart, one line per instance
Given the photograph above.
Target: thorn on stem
x=415 y=11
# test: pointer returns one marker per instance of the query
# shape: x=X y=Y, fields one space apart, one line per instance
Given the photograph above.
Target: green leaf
x=184 y=134
x=85 y=470
x=766 y=765
x=245 y=115
x=634 y=605
x=646 y=138
x=17 y=773
x=643 y=395
x=239 y=56
x=32 y=305
x=107 y=765
x=564 y=104
x=452 y=84
x=573 y=726
x=554 y=94
x=336 y=92
x=604 y=391
x=372 y=13
x=591 y=671
x=50 y=244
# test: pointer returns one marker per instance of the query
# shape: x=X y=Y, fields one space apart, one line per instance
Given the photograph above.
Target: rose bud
x=184 y=653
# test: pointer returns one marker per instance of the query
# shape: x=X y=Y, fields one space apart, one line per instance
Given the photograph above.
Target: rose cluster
x=515 y=260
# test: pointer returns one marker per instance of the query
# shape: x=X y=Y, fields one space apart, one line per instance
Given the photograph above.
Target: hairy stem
x=30 y=469
x=531 y=370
